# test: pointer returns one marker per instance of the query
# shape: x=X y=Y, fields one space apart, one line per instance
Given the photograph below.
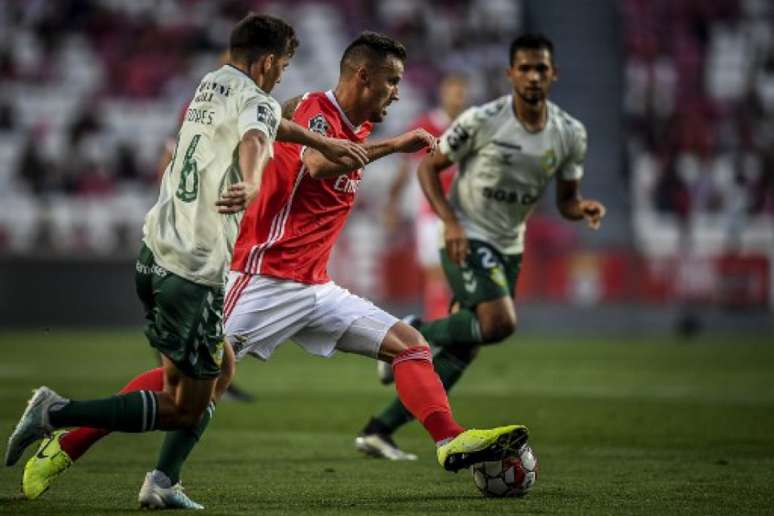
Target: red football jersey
x=289 y=230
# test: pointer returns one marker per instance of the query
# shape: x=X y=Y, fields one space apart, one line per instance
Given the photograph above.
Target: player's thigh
x=343 y=321
x=192 y=397
x=184 y=399
x=186 y=326
x=261 y=313
x=487 y=275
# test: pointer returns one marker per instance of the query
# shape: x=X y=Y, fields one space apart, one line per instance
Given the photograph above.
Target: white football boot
x=381 y=447
x=157 y=493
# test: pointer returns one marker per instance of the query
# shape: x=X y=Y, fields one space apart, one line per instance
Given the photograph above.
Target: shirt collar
x=332 y=98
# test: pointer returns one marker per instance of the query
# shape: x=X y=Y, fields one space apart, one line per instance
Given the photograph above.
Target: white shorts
x=428 y=234
x=260 y=313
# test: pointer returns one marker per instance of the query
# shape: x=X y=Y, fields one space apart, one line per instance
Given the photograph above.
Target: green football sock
x=178 y=445
x=460 y=328
x=449 y=369
x=131 y=412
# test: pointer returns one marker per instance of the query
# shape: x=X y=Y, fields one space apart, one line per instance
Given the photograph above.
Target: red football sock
x=77 y=441
x=422 y=393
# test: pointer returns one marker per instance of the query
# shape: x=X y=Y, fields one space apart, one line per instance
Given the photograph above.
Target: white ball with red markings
x=511 y=476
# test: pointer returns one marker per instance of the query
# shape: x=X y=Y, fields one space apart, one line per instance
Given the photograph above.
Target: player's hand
x=415 y=140
x=456 y=243
x=236 y=198
x=592 y=211
x=344 y=152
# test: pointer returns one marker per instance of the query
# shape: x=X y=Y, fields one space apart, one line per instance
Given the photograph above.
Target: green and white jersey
x=504 y=169
x=184 y=230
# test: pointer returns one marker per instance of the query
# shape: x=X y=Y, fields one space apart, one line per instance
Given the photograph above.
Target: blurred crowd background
x=677 y=95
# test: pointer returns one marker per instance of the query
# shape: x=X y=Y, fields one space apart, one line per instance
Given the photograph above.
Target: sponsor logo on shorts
x=151 y=269
x=498 y=276
x=469 y=281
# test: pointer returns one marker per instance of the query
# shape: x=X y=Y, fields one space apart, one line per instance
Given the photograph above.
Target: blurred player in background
x=453 y=97
x=508 y=151
x=279 y=288
x=223 y=146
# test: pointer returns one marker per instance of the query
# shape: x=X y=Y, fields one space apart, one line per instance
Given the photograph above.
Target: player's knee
x=405 y=337
x=498 y=328
x=400 y=338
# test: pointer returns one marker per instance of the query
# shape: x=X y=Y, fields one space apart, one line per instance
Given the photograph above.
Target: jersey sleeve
x=262 y=113
x=309 y=114
x=572 y=168
x=459 y=139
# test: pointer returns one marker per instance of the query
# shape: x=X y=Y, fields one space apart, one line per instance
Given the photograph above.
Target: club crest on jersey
x=548 y=161
x=318 y=124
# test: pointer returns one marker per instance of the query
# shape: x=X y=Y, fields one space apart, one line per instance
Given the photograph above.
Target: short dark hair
x=531 y=41
x=370 y=47
x=260 y=34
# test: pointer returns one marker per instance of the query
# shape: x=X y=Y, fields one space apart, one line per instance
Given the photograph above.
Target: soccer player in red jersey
x=279 y=288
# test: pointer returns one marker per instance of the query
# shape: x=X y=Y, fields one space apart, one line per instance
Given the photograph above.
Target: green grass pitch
x=620 y=426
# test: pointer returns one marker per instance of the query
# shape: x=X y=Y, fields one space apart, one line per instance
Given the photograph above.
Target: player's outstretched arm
x=338 y=151
x=320 y=166
x=573 y=206
x=254 y=154
x=454 y=235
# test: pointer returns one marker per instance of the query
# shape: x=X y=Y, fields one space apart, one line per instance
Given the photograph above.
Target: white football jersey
x=184 y=230
x=504 y=169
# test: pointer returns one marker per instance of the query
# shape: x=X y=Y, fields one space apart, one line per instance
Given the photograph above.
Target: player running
x=222 y=149
x=279 y=287
x=507 y=152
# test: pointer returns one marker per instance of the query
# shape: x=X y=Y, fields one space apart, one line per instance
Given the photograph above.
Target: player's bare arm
x=254 y=154
x=411 y=141
x=454 y=235
x=338 y=151
x=289 y=107
x=573 y=206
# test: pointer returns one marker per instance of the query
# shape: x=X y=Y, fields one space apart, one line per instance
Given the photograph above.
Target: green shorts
x=182 y=318
x=487 y=275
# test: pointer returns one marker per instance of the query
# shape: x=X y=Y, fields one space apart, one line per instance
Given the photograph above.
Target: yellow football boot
x=49 y=462
x=474 y=446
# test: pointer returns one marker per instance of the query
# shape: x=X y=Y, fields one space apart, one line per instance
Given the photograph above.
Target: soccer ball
x=511 y=476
